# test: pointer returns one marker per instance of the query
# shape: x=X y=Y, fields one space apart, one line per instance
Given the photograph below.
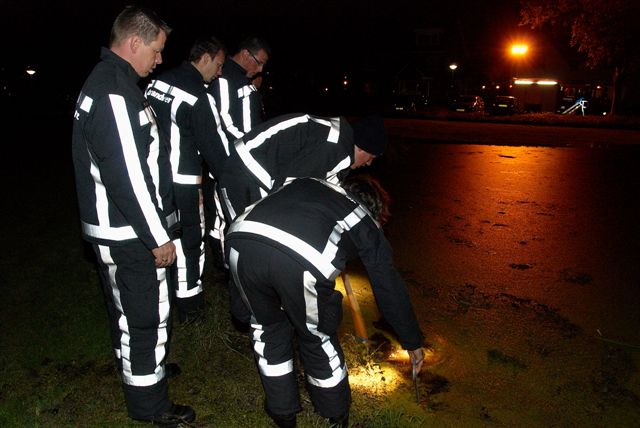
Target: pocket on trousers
x=329 y=310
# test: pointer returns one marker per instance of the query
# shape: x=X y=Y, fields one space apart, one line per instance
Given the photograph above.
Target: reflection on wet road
x=524 y=264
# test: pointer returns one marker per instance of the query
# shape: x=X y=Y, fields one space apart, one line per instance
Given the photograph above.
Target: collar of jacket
x=232 y=67
x=107 y=55
x=191 y=71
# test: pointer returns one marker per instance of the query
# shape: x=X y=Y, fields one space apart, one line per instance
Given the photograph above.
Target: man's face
x=362 y=158
x=213 y=67
x=254 y=63
x=147 y=56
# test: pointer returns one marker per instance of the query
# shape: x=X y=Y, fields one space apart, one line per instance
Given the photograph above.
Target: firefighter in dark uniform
x=240 y=107
x=296 y=145
x=284 y=253
x=187 y=116
x=125 y=195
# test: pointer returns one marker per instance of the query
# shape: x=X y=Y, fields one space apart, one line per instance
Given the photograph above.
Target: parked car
x=503 y=104
x=408 y=103
x=468 y=103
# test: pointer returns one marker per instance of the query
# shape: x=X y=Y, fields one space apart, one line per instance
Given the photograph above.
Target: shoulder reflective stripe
x=144 y=117
x=333 y=124
x=223 y=137
x=259 y=139
x=177 y=93
x=254 y=167
x=108 y=233
x=331 y=248
x=246 y=91
x=225 y=105
x=135 y=171
x=296 y=244
x=85 y=103
x=187 y=179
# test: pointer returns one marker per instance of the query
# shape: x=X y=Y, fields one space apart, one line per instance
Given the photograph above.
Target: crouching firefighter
x=284 y=253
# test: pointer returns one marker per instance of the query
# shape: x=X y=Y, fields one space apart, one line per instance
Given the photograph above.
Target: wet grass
x=56 y=368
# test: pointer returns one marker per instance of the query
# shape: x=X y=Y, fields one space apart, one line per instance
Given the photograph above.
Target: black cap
x=370 y=135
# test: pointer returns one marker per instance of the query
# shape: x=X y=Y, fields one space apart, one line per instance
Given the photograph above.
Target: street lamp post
x=453 y=67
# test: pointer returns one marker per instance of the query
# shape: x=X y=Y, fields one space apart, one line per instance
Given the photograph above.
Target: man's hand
x=417 y=358
x=165 y=255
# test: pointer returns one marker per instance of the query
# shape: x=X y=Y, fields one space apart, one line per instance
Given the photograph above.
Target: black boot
x=340 y=422
x=283 y=421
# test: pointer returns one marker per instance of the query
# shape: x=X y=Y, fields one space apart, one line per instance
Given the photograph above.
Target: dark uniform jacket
x=288 y=146
x=123 y=176
x=323 y=227
x=238 y=101
x=187 y=115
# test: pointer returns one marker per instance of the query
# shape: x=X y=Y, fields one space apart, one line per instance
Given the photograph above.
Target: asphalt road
x=511 y=134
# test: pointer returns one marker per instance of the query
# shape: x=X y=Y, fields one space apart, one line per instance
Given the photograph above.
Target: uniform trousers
x=288 y=303
x=138 y=297
x=189 y=248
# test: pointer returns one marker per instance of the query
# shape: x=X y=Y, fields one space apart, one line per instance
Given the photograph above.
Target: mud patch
x=544 y=315
x=520 y=266
x=460 y=241
x=469 y=297
x=575 y=277
x=498 y=357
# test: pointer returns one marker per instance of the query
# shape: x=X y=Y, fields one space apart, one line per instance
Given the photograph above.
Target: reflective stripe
x=266 y=369
x=227 y=203
x=174 y=91
x=179 y=96
x=246 y=114
x=252 y=165
x=85 y=103
x=234 y=256
x=333 y=124
x=183 y=291
x=108 y=233
x=338 y=368
x=134 y=169
x=216 y=117
x=224 y=108
x=296 y=244
x=172 y=219
x=125 y=338
x=186 y=179
x=259 y=139
x=122 y=233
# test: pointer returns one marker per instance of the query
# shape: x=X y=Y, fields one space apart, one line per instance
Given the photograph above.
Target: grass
x=56 y=368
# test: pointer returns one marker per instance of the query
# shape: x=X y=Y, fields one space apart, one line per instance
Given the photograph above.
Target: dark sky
x=308 y=37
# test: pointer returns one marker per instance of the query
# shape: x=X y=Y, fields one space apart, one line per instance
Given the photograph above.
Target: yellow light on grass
x=547 y=82
x=523 y=82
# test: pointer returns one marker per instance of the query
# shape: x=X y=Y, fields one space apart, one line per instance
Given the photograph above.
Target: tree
x=605 y=31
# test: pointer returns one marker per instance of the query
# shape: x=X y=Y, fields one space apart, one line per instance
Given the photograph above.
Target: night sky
x=312 y=41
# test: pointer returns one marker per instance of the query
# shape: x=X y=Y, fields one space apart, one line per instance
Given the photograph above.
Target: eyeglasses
x=260 y=63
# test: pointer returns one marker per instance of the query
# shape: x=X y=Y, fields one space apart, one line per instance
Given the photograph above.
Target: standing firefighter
x=123 y=181
x=188 y=116
x=284 y=254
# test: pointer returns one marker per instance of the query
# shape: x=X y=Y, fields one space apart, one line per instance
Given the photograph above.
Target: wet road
x=524 y=266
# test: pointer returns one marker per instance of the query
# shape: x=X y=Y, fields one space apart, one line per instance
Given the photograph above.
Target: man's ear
x=134 y=43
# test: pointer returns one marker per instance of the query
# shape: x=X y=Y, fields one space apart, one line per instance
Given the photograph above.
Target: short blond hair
x=140 y=21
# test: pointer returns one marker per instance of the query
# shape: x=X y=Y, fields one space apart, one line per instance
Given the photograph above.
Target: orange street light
x=519 y=49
